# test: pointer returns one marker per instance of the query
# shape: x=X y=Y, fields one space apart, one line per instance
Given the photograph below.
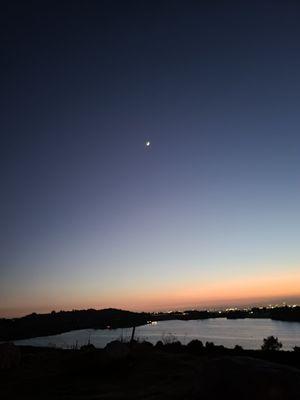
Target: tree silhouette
x=237 y=347
x=271 y=343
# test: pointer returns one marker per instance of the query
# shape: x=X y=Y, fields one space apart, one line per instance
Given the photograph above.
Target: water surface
x=248 y=333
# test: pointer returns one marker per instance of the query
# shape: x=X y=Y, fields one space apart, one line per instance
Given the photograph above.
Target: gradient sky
x=210 y=213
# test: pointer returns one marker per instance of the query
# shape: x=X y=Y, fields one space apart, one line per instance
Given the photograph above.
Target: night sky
x=208 y=213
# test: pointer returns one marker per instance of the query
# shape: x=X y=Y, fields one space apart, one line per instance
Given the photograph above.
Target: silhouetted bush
x=142 y=347
x=209 y=345
x=237 y=347
x=195 y=346
x=117 y=349
x=174 y=347
x=271 y=343
x=88 y=347
x=144 y=343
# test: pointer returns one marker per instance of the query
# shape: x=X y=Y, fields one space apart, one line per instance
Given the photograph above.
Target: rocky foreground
x=147 y=372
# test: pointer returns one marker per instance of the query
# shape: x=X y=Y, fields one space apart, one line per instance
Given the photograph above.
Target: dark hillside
x=34 y=325
x=148 y=372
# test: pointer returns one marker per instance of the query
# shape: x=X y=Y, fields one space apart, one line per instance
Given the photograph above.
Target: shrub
x=209 y=345
x=174 y=347
x=87 y=347
x=159 y=345
x=271 y=343
x=195 y=346
x=237 y=347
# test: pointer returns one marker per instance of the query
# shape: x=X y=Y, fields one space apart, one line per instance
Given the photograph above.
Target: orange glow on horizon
x=160 y=297
x=211 y=292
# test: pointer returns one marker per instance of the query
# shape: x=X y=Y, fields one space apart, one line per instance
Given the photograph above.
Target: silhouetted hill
x=286 y=313
x=34 y=325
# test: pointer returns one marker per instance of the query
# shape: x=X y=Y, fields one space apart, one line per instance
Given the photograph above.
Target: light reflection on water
x=248 y=333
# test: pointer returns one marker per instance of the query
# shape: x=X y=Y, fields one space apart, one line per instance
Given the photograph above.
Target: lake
x=248 y=333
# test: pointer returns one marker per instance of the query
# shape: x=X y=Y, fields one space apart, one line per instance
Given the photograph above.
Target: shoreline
x=55 y=323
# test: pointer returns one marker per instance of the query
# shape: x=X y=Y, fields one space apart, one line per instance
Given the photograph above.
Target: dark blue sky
x=89 y=217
